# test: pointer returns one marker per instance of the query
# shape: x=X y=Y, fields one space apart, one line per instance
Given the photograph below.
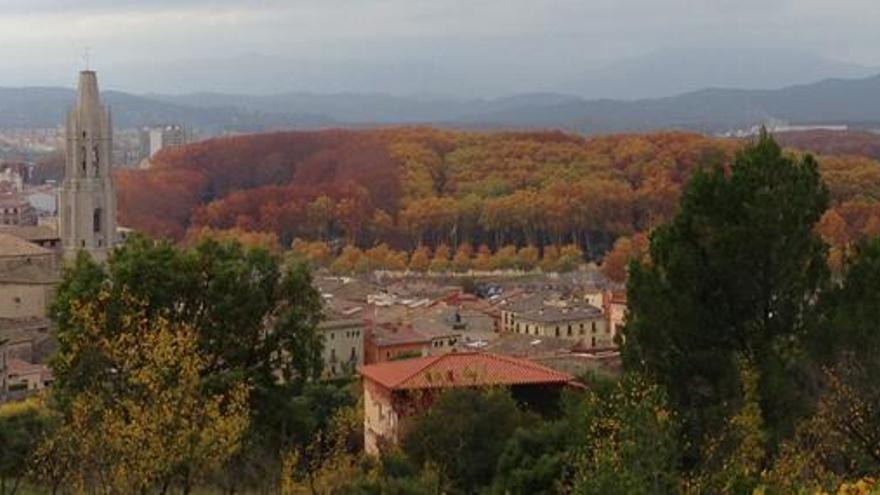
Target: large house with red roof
x=397 y=390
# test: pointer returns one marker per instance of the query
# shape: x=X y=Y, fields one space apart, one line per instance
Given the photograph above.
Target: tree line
x=408 y=187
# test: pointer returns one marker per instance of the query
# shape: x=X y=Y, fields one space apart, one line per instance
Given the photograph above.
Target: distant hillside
x=851 y=101
x=46 y=107
x=846 y=101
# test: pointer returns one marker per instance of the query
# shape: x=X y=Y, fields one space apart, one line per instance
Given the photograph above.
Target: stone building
x=343 y=345
x=396 y=391
x=392 y=341
x=571 y=320
x=87 y=202
x=41 y=235
x=17 y=210
x=28 y=276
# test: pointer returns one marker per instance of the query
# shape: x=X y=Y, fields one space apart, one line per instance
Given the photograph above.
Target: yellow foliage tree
x=527 y=258
x=461 y=262
x=152 y=425
x=348 y=261
x=440 y=263
x=483 y=260
x=315 y=253
x=420 y=259
x=331 y=462
x=735 y=457
x=249 y=239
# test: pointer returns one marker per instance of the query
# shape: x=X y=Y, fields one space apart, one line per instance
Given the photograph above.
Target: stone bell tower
x=87 y=202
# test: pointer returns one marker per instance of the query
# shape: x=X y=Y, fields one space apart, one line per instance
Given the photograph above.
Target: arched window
x=96 y=220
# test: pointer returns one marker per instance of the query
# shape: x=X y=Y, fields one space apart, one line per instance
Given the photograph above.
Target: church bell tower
x=87 y=202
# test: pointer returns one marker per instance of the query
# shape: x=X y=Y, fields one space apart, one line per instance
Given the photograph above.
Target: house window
x=557 y=331
x=96 y=220
x=593 y=326
x=16 y=300
x=594 y=341
x=569 y=330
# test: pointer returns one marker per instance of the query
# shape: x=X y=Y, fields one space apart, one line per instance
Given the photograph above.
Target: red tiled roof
x=460 y=369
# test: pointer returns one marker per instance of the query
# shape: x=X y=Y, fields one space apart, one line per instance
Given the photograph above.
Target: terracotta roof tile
x=460 y=369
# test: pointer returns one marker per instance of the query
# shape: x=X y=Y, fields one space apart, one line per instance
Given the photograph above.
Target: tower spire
x=87 y=202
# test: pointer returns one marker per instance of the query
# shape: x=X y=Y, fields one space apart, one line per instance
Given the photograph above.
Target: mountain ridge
x=848 y=101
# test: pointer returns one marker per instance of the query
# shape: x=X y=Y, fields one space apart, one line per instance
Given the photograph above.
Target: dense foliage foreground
x=748 y=369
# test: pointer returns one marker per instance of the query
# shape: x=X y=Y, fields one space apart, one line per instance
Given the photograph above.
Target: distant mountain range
x=855 y=102
x=46 y=107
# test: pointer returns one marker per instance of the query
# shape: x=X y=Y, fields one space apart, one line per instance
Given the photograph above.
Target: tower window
x=96 y=223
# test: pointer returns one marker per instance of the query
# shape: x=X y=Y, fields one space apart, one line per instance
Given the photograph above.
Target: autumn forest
x=456 y=191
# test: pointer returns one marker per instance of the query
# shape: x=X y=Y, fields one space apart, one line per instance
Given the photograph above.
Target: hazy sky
x=473 y=47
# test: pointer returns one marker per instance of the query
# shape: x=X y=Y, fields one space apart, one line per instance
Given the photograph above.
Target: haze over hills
x=47 y=106
x=674 y=71
x=840 y=101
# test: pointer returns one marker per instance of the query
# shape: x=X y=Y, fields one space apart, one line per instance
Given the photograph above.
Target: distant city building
x=154 y=139
x=779 y=127
x=17 y=210
x=11 y=180
x=391 y=341
x=343 y=346
x=87 y=202
x=44 y=199
x=570 y=320
x=28 y=276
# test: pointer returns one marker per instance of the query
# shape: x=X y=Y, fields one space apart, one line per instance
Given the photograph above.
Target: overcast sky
x=462 y=47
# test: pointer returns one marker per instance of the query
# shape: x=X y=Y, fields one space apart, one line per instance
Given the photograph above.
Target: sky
x=437 y=47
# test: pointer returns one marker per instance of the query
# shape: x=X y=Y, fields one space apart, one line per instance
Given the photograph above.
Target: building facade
x=576 y=321
x=87 y=201
x=396 y=391
x=393 y=341
x=154 y=139
x=17 y=211
x=343 y=346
